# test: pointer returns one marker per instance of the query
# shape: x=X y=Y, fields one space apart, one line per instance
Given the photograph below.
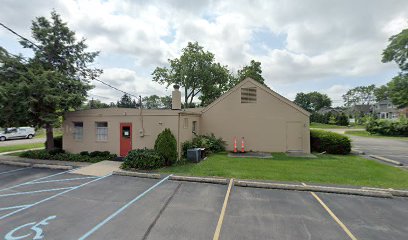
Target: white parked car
x=20 y=132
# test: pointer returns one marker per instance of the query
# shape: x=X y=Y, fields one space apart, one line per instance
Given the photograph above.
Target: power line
x=39 y=48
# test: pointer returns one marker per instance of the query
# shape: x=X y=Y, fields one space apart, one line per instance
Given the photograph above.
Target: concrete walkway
x=99 y=169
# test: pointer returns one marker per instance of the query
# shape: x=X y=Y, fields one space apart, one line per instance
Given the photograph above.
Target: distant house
x=334 y=111
x=359 y=110
x=266 y=120
x=386 y=110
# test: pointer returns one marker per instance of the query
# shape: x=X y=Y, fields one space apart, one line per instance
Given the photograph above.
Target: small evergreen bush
x=84 y=153
x=329 y=142
x=166 y=146
x=145 y=159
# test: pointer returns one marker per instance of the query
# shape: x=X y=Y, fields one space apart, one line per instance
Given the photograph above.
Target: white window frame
x=78 y=133
x=185 y=123
x=101 y=132
x=194 y=126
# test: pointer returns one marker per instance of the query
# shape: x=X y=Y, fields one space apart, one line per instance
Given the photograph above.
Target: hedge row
x=329 y=118
x=61 y=155
x=329 y=142
x=388 y=127
x=143 y=159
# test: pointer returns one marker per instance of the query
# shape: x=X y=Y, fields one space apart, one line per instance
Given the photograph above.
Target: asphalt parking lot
x=52 y=204
x=389 y=148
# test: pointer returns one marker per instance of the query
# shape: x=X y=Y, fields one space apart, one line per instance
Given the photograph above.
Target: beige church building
x=267 y=121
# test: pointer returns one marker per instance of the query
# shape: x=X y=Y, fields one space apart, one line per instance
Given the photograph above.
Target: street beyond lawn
x=325 y=169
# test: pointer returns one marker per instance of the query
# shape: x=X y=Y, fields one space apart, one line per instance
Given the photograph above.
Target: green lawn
x=20 y=147
x=330 y=169
x=322 y=125
x=40 y=133
x=367 y=134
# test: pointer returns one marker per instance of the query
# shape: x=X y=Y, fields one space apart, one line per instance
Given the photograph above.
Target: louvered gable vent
x=248 y=95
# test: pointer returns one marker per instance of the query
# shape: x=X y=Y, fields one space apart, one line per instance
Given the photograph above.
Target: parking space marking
x=25 y=183
x=37 y=191
x=35 y=228
x=52 y=197
x=335 y=218
x=222 y=214
x=99 y=225
x=149 y=229
x=14 y=207
x=61 y=180
x=15 y=170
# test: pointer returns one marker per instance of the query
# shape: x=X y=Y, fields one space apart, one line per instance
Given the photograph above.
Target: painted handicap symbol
x=35 y=227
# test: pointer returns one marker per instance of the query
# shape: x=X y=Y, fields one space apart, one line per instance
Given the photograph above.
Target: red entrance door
x=125 y=138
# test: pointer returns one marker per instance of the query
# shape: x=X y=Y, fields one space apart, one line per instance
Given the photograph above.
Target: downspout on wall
x=176 y=105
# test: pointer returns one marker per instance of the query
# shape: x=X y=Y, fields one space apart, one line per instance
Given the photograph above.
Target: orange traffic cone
x=242 y=145
x=235 y=144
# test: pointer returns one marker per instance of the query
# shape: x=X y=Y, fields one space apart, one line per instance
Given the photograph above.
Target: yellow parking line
x=224 y=207
x=336 y=219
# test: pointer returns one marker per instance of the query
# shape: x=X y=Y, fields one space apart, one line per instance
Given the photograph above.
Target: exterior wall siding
x=262 y=124
x=153 y=125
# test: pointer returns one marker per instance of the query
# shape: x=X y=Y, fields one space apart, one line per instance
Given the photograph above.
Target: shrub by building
x=145 y=159
x=211 y=143
x=166 y=146
x=329 y=142
x=59 y=154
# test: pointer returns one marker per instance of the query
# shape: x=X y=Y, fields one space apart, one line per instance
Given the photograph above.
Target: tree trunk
x=185 y=97
x=50 y=137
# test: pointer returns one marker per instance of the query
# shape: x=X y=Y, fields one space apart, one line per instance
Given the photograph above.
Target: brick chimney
x=176 y=98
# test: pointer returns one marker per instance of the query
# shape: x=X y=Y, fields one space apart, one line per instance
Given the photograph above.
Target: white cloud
x=325 y=40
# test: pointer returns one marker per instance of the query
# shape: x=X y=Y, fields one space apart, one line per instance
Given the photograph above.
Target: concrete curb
x=309 y=188
x=394 y=192
x=137 y=174
x=386 y=160
x=36 y=165
x=357 y=152
x=19 y=164
x=223 y=181
x=50 y=166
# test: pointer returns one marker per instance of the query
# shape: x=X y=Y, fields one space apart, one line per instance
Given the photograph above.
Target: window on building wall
x=101 y=131
x=185 y=123
x=194 y=127
x=248 y=95
x=78 y=131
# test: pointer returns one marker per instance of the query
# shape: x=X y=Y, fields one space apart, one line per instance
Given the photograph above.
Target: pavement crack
x=149 y=229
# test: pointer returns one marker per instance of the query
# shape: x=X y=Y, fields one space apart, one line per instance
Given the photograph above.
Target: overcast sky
x=315 y=45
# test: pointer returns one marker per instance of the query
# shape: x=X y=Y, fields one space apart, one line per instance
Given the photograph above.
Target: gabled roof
x=261 y=86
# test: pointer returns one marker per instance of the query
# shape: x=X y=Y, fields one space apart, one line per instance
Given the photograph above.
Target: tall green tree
x=253 y=70
x=165 y=102
x=362 y=95
x=397 y=51
x=313 y=101
x=55 y=80
x=151 y=102
x=94 y=104
x=127 y=102
x=397 y=90
x=196 y=71
x=156 y=102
